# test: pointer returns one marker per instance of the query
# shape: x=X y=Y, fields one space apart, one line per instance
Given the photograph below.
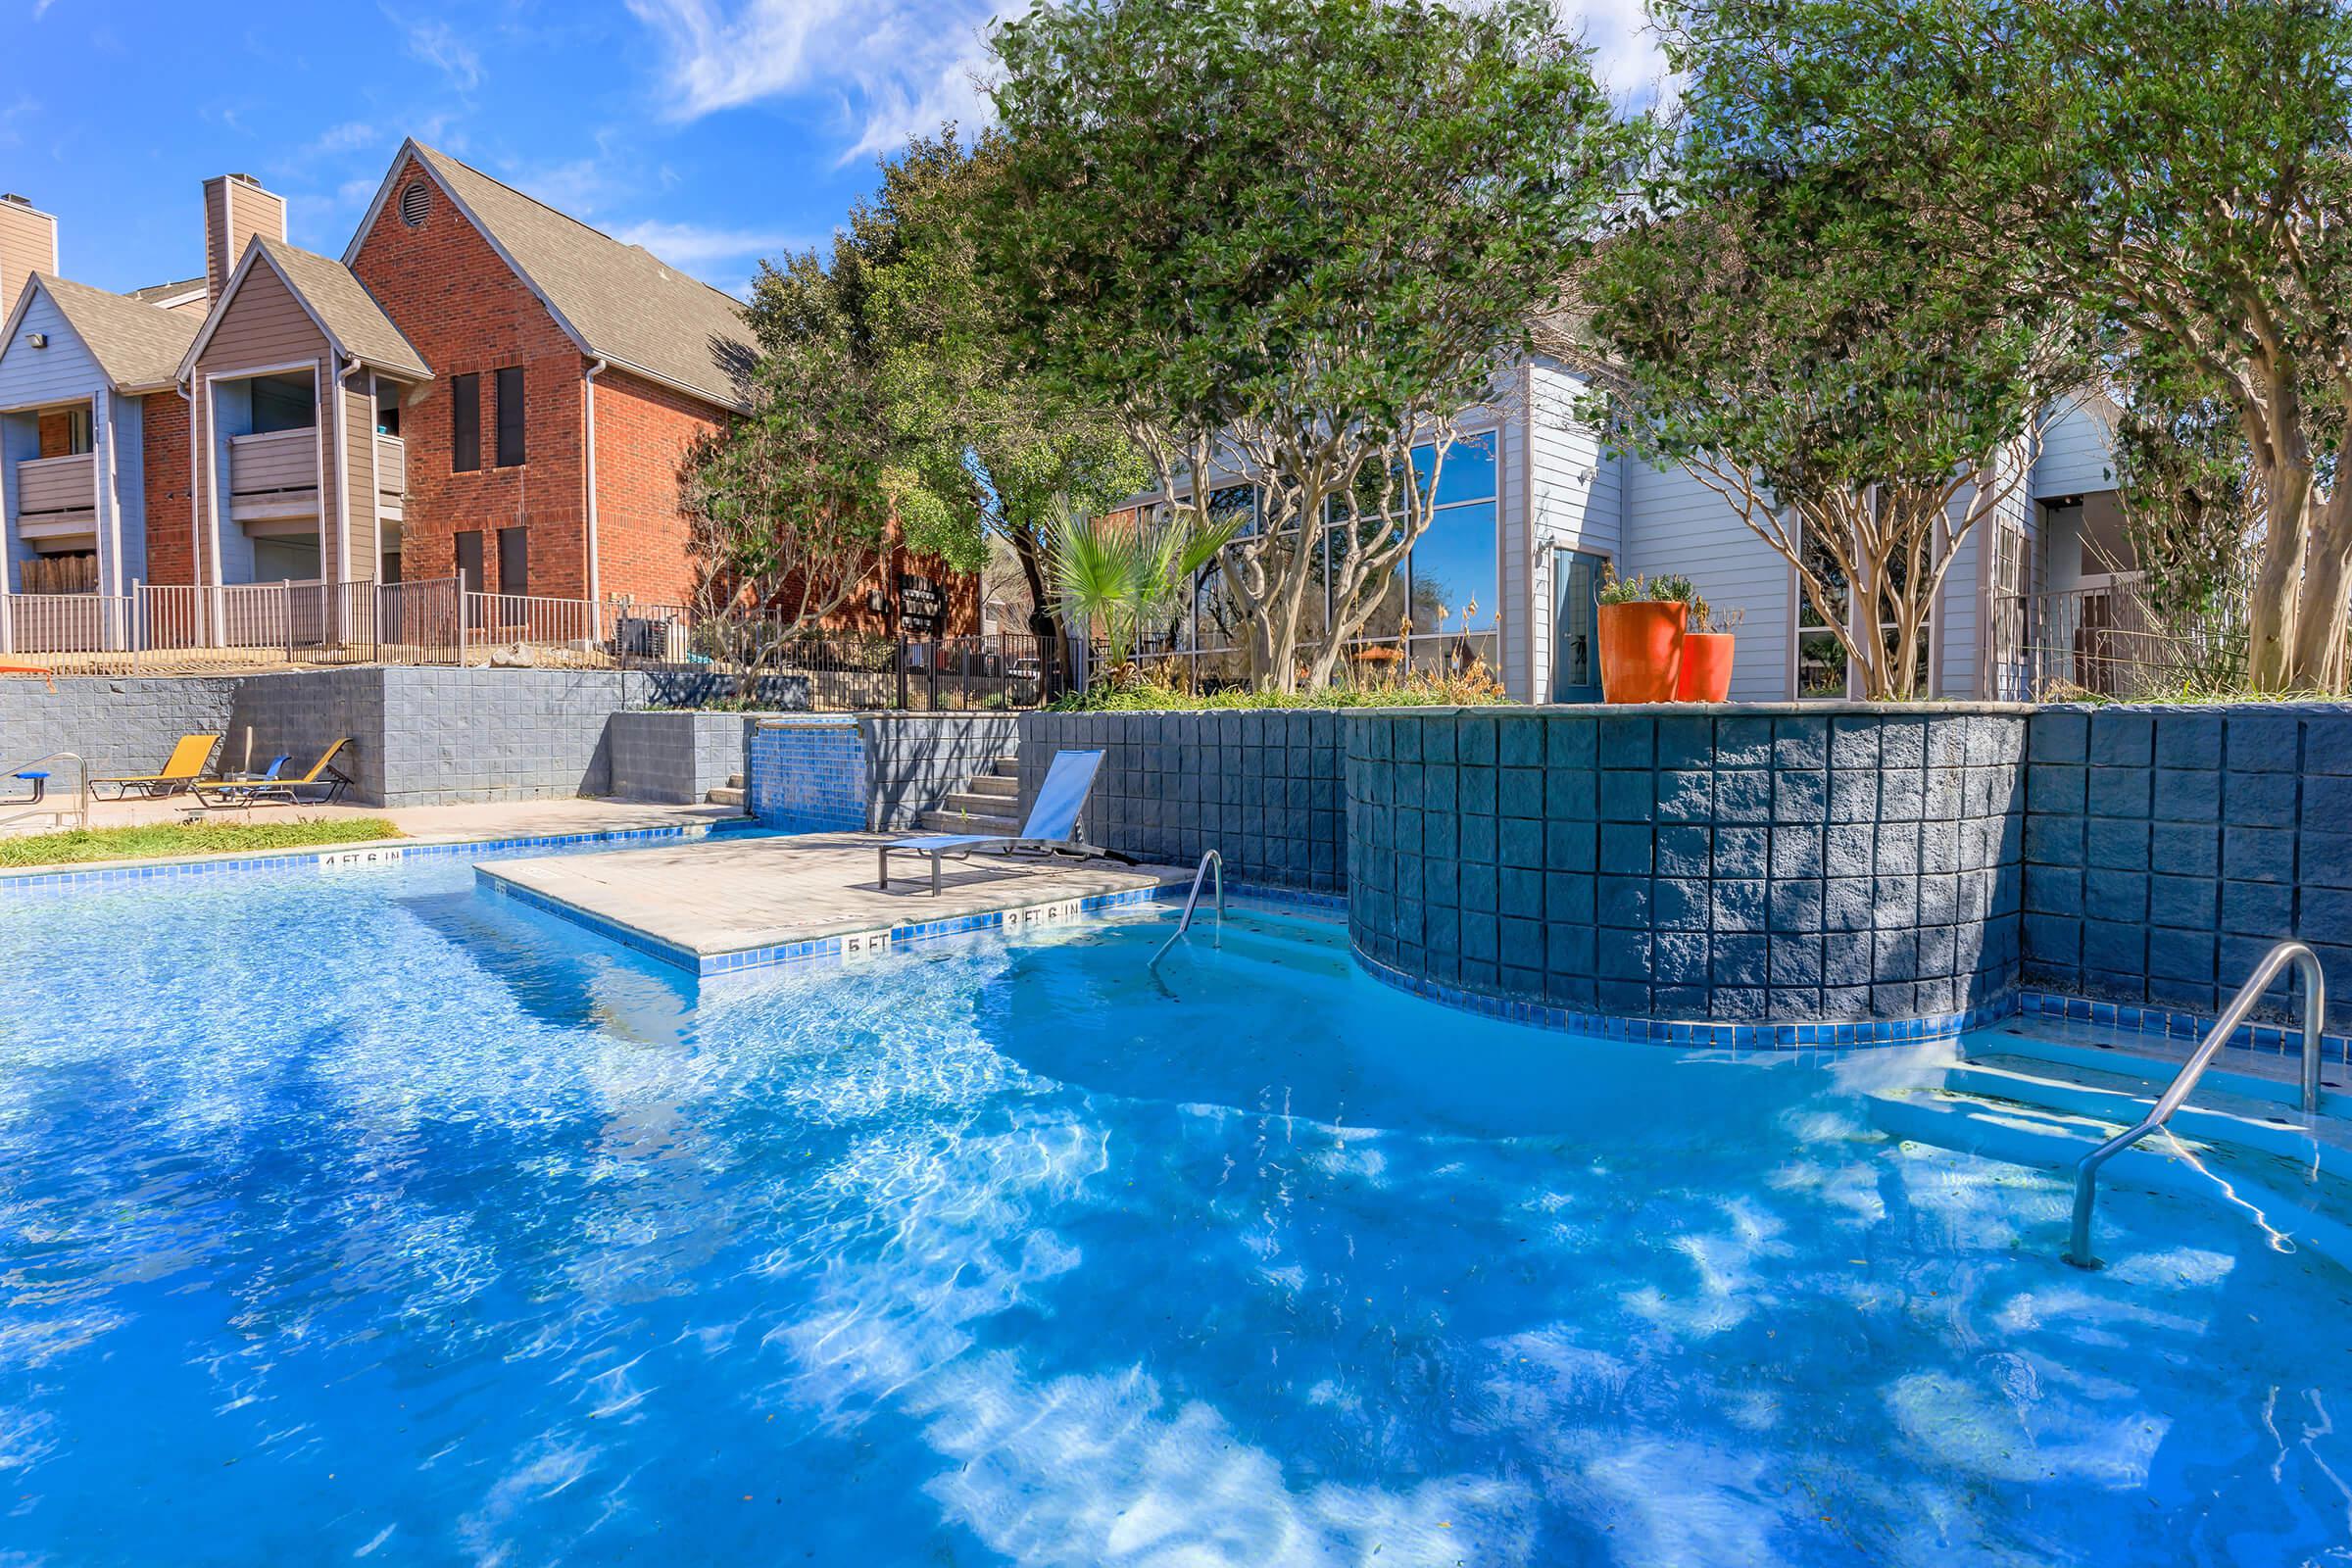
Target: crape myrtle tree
x=1781 y=316
x=2194 y=159
x=1292 y=240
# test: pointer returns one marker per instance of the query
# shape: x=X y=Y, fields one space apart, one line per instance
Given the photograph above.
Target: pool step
x=728 y=794
x=946 y=821
x=988 y=803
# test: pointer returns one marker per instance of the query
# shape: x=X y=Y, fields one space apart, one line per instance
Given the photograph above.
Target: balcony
x=57 y=496
x=274 y=476
x=391 y=478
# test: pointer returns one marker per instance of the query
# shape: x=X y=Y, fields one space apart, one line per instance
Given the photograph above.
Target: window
x=466 y=429
x=1820 y=657
x=510 y=416
x=415 y=203
x=387 y=411
x=64 y=434
x=513 y=560
x=1455 y=596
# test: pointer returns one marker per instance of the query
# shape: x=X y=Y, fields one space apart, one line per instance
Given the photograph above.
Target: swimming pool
x=375 y=1217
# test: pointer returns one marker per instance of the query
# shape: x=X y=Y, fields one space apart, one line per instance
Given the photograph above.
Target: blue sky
x=711 y=131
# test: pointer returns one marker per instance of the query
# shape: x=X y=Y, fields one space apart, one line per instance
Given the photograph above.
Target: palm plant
x=1125 y=569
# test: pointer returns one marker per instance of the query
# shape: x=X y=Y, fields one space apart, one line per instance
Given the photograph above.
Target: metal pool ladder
x=1211 y=861
x=37 y=803
x=2315 y=1009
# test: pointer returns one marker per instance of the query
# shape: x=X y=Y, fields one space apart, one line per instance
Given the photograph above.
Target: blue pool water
x=374 y=1218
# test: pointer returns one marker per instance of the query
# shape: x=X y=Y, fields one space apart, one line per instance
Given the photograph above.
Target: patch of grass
x=155 y=840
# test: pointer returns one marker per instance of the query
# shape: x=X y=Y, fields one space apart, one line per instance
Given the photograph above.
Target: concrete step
x=1005 y=767
x=968 y=822
x=996 y=785
x=727 y=795
x=734 y=781
x=966 y=805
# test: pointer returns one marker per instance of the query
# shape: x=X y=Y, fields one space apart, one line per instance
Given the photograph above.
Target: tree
x=1288 y=241
x=986 y=447
x=1126 y=569
x=2195 y=163
x=1777 y=319
x=789 y=507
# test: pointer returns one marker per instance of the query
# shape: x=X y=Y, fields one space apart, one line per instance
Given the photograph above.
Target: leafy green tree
x=1289 y=240
x=986 y=446
x=1779 y=318
x=2195 y=163
x=789 y=507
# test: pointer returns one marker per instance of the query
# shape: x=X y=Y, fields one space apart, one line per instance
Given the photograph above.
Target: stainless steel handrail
x=82 y=788
x=2315 y=1010
x=1209 y=862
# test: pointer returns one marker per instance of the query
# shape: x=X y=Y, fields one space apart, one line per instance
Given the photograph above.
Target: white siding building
x=1532 y=485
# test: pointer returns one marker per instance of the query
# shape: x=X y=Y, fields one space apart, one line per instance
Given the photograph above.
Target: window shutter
x=464 y=423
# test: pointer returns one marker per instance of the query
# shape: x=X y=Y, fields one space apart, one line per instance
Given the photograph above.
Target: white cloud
x=440 y=45
x=896 y=66
x=696 y=248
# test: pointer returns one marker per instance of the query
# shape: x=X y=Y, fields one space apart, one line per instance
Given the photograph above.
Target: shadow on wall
x=1792 y=866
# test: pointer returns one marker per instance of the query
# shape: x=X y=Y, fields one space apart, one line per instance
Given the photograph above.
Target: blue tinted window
x=1469 y=469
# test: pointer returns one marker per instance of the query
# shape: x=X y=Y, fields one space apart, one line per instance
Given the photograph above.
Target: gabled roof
x=619 y=302
x=138 y=346
x=337 y=302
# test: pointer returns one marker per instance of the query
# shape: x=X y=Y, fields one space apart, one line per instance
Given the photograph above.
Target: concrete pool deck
x=714 y=906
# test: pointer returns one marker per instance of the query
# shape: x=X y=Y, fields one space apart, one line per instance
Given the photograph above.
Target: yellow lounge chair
x=275 y=786
x=185 y=768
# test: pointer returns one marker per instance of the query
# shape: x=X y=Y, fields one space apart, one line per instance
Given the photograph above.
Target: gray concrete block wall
x=675 y=756
x=1264 y=788
x=123 y=725
x=1791 y=864
x=2168 y=849
x=912 y=759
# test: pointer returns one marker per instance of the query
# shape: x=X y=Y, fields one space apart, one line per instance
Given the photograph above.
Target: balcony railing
x=274 y=474
x=391 y=465
x=2108 y=641
x=54 y=485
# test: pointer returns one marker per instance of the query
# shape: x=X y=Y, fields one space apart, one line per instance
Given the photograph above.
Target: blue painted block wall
x=2167 y=849
x=806 y=776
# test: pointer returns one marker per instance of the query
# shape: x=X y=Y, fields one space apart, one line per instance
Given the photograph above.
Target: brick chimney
x=28 y=245
x=235 y=208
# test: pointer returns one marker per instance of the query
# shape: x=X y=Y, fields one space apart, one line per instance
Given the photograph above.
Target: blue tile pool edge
x=280 y=863
x=840 y=947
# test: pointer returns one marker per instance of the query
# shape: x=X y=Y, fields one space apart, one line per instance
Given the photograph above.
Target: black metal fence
x=843 y=673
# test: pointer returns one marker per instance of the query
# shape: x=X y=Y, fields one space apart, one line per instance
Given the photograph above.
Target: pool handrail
x=2315 y=1012
x=1209 y=862
x=82 y=788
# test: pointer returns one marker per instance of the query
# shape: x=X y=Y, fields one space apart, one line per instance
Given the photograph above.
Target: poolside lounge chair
x=1051 y=828
x=184 y=767
x=273 y=785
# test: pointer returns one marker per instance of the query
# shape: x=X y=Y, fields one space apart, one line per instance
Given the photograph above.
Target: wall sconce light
x=40 y=340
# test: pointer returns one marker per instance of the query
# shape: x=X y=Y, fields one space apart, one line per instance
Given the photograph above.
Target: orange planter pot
x=1706 y=676
x=1641 y=649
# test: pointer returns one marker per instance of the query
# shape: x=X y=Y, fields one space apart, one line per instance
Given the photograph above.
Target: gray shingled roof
x=626 y=303
x=348 y=311
x=137 y=345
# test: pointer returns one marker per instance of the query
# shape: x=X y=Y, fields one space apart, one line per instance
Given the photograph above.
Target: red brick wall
x=171 y=542
x=642 y=433
x=465 y=311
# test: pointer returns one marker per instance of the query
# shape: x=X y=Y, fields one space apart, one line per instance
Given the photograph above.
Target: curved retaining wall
x=1784 y=863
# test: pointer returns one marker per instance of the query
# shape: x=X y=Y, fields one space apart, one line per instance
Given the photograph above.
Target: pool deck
x=720 y=905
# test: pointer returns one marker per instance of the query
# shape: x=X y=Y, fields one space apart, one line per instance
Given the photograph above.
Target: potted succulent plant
x=1706 y=672
x=1642 y=623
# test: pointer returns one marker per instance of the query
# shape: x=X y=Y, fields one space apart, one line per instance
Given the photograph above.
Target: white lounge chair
x=1051 y=828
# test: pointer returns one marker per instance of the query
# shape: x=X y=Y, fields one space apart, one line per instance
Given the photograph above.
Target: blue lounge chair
x=1051 y=828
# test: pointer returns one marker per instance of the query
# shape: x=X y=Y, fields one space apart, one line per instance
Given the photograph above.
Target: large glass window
x=1454 y=588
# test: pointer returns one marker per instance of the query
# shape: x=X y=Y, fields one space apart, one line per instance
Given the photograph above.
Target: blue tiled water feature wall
x=806 y=776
